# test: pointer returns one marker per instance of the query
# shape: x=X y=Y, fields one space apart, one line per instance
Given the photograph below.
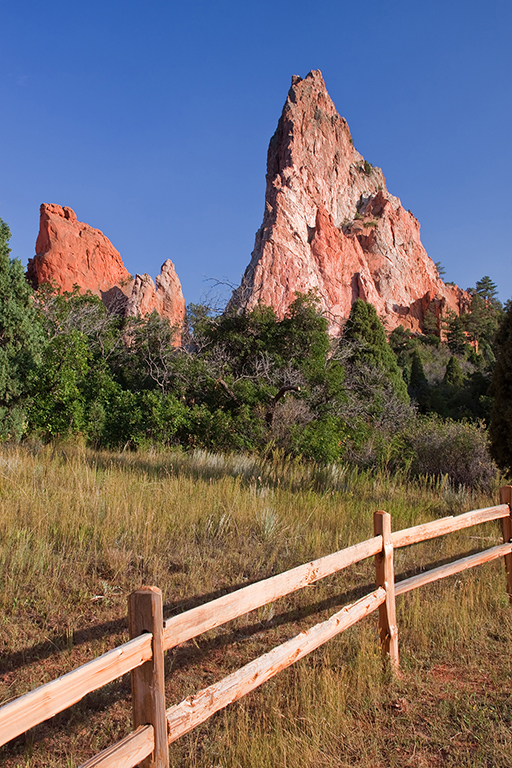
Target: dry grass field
x=80 y=530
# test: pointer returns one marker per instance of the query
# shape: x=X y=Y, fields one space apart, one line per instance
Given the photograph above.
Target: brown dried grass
x=80 y=530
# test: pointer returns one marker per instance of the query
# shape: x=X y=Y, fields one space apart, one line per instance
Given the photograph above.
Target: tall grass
x=80 y=530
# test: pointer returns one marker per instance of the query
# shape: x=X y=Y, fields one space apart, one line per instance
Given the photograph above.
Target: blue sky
x=152 y=120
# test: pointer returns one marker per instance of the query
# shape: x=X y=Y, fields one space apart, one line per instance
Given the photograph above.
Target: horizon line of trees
x=253 y=382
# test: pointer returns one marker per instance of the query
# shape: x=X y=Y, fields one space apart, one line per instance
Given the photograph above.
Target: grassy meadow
x=80 y=530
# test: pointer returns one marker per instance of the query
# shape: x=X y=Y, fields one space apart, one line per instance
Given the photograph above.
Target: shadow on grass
x=285 y=471
x=183 y=657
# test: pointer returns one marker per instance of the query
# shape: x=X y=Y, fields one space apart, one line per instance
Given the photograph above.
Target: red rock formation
x=331 y=225
x=69 y=253
x=166 y=297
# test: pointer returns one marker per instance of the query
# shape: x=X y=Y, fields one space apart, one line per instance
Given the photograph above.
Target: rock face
x=331 y=225
x=166 y=297
x=69 y=253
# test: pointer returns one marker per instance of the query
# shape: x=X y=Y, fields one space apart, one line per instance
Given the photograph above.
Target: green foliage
x=455 y=336
x=488 y=291
x=418 y=384
x=403 y=344
x=240 y=381
x=365 y=332
x=483 y=318
x=58 y=404
x=321 y=440
x=431 y=325
x=500 y=431
x=418 y=380
x=454 y=375
x=20 y=339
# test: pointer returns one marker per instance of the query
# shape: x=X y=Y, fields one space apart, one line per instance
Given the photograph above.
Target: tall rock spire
x=331 y=225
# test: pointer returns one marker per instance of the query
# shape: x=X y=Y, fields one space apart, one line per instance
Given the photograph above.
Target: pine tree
x=455 y=335
x=500 y=430
x=488 y=290
x=20 y=340
x=418 y=384
x=485 y=313
x=454 y=375
x=366 y=333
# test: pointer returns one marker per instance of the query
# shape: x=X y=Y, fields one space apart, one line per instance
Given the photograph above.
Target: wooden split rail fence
x=155 y=727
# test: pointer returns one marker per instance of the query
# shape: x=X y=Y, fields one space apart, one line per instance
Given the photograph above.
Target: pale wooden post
x=506 y=522
x=145 y=614
x=385 y=577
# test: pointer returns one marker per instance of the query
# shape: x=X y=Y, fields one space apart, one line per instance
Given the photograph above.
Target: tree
x=455 y=335
x=59 y=403
x=484 y=316
x=454 y=375
x=418 y=384
x=431 y=325
x=487 y=290
x=403 y=344
x=365 y=332
x=20 y=341
x=500 y=430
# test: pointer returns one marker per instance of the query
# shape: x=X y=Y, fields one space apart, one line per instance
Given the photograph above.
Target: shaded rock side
x=69 y=253
x=331 y=225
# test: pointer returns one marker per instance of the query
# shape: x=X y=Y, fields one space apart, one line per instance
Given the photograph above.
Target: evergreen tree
x=500 y=430
x=418 y=384
x=454 y=375
x=455 y=336
x=431 y=325
x=484 y=315
x=403 y=344
x=20 y=341
x=365 y=332
x=488 y=291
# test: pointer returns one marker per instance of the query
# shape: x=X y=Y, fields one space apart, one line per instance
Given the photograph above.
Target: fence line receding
x=154 y=726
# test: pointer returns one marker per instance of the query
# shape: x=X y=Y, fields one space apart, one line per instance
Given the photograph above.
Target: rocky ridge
x=69 y=253
x=331 y=226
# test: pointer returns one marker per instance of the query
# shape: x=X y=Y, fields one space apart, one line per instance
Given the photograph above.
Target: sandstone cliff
x=69 y=253
x=331 y=225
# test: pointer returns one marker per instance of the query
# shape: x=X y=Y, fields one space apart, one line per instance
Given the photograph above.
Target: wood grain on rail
x=452 y=568
x=125 y=753
x=44 y=702
x=196 y=709
x=447 y=525
x=198 y=620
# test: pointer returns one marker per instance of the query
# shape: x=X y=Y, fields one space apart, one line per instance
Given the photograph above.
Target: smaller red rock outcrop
x=69 y=253
x=166 y=298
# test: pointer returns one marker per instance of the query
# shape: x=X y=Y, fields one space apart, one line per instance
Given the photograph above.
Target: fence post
x=506 y=498
x=145 y=614
x=385 y=577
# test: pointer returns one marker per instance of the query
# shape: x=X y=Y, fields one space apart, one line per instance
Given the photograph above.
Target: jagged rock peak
x=166 y=297
x=69 y=253
x=331 y=225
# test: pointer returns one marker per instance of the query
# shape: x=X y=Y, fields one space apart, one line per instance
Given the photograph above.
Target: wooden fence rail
x=155 y=727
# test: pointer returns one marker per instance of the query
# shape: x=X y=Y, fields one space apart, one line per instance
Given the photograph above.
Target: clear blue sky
x=152 y=120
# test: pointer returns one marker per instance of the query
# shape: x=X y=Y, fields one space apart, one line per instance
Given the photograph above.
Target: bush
x=457 y=449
